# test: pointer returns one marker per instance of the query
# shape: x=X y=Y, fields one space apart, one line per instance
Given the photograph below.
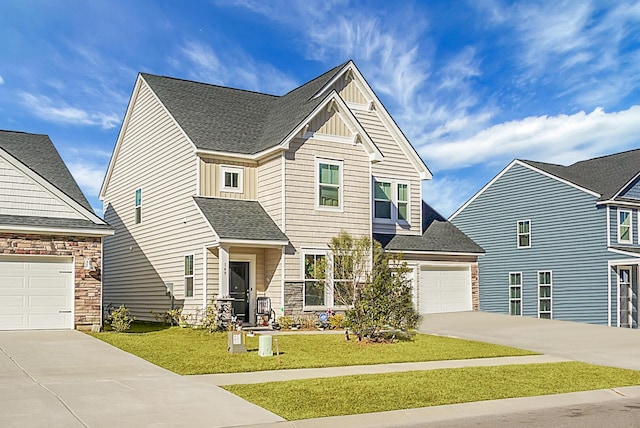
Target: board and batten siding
x=329 y=123
x=308 y=227
x=269 y=187
x=395 y=166
x=210 y=178
x=349 y=91
x=568 y=237
x=20 y=195
x=140 y=259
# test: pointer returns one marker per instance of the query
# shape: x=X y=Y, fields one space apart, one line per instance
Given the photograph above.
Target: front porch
x=623 y=293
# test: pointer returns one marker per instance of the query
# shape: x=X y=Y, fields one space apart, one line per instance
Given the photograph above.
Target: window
x=515 y=293
x=390 y=201
x=138 y=205
x=188 y=276
x=329 y=174
x=544 y=295
x=342 y=274
x=524 y=233
x=624 y=226
x=231 y=179
x=382 y=199
x=314 y=290
x=403 y=202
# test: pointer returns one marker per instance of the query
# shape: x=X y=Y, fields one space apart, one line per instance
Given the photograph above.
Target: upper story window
x=138 y=206
x=231 y=178
x=329 y=184
x=524 y=233
x=625 y=232
x=188 y=275
x=390 y=201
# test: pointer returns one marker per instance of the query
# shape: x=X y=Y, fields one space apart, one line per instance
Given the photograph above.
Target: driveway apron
x=69 y=379
x=596 y=344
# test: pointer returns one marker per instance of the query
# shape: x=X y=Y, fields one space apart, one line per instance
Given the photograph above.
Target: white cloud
x=88 y=176
x=445 y=194
x=59 y=112
x=559 y=139
x=1 y=80
x=235 y=69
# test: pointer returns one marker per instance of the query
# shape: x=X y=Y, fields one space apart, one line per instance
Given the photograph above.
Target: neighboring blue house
x=561 y=242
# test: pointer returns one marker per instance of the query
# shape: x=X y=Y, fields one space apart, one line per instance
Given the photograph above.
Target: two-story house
x=562 y=242
x=216 y=191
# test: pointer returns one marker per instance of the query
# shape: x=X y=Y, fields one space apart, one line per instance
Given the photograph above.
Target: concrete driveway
x=69 y=379
x=595 y=344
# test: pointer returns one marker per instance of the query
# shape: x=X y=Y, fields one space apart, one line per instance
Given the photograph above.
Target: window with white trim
x=524 y=234
x=231 y=179
x=138 y=207
x=515 y=293
x=329 y=184
x=390 y=201
x=188 y=275
x=314 y=290
x=625 y=228
x=545 y=284
x=334 y=289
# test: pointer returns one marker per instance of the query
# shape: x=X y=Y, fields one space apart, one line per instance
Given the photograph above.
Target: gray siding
x=568 y=235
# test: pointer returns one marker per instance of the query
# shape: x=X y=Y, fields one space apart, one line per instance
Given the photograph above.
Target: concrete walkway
x=609 y=346
x=284 y=375
x=68 y=379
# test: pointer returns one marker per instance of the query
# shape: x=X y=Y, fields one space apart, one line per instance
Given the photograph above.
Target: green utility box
x=265 y=346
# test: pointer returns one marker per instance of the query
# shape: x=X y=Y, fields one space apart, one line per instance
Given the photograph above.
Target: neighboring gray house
x=562 y=242
x=50 y=240
x=216 y=191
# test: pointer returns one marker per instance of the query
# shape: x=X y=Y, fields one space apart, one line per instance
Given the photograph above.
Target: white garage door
x=36 y=293
x=445 y=289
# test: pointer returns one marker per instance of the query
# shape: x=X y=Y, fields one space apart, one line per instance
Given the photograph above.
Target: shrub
x=308 y=322
x=286 y=322
x=210 y=319
x=336 y=321
x=119 y=319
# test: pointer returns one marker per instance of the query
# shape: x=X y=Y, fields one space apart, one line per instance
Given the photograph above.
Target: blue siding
x=568 y=237
x=632 y=191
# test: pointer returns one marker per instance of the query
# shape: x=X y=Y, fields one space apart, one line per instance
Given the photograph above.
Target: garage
x=36 y=293
x=445 y=289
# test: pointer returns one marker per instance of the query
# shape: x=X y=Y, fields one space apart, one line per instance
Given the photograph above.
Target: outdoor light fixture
x=88 y=265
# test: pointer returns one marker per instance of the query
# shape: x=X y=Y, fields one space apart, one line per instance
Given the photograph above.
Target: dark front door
x=239 y=289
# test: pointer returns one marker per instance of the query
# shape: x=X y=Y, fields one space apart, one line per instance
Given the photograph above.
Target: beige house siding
x=21 y=195
x=329 y=123
x=397 y=166
x=269 y=184
x=210 y=179
x=308 y=227
x=348 y=90
x=273 y=279
x=153 y=155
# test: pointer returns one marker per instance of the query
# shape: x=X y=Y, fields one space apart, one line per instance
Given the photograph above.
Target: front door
x=625 y=295
x=239 y=289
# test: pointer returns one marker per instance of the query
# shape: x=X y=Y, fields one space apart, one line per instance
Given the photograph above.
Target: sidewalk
x=284 y=375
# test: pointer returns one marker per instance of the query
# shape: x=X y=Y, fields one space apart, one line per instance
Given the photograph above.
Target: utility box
x=236 y=342
x=265 y=346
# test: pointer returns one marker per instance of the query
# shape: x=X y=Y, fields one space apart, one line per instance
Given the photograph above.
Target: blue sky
x=472 y=84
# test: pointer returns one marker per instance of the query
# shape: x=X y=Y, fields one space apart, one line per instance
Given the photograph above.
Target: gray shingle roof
x=239 y=219
x=233 y=120
x=605 y=175
x=74 y=223
x=38 y=153
x=439 y=236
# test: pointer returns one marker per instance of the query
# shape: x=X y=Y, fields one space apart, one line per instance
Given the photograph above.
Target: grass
x=187 y=351
x=314 y=398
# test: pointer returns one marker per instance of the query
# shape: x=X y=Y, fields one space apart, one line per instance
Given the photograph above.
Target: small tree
x=119 y=319
x=385 y=299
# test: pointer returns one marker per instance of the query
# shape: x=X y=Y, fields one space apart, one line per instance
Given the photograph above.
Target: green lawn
x=314 y=398
x=188 y=351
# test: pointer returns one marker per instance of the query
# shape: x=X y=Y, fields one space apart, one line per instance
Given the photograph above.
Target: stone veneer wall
x=88 y=285
x=475 y=289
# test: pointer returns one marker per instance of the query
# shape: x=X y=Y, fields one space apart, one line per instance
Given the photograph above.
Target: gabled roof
x=605 y=175
x=38 y=153
x=240 y=220
x=231 y=120
x=439 y=236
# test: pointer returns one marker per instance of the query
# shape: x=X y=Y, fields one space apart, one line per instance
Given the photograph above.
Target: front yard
x=187 y=351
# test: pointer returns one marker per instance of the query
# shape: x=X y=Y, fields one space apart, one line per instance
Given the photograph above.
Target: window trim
x=619 y=225
x=395 y=218
x=137 y=207
x=232 y=169
x=511 y=299
x=340 y=165
x=518 y=234
x=303 y=275
x=192 y=276
x=390 y=200
x=550 y=298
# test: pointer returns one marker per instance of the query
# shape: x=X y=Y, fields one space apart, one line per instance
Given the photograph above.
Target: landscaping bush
x=285 y=322
x=119 y=320
x=336 y=321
